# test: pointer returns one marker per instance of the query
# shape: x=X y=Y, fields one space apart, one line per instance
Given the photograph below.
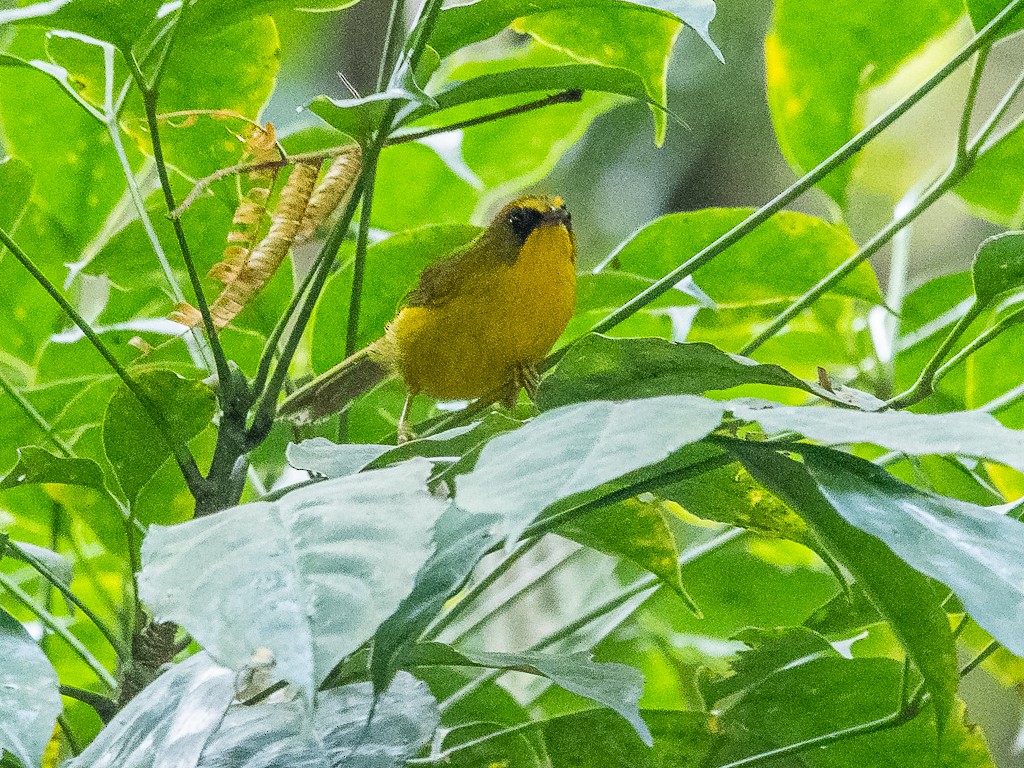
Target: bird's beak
x=557 y=216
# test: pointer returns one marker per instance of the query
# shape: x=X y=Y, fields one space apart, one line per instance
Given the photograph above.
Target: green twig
x=359 y=261
x=57 y=628
x=978 y=660
x=182 y=455
x=829 y=164
x=104 y=707
x=30 y=411
x=925 y=383
x=978 y=144
x=571 y=96
x=122 y=651
x=969 y=102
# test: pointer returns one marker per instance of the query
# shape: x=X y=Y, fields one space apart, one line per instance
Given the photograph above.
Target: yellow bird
x=478 y=322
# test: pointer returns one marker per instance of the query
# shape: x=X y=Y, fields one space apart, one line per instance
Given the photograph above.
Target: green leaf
x=597 y=738
x=999 y=266
x=34 y=555
x=349 y=726
x=615 y=35
x=815 y=96
x=121 y=22
x=770 y=650
x=637 y=530
x=391 y=271
x=587 y=77
x=173 y=716
x=975 y=551
x=248 y=60
x=577 y=448
x=599 y=367
x=358 y=117
x=134 y=444
x=904 y=596
x=801 y=249
x=16 y=181
x=329 y=459
x=983 y=11
x=970 y=433
x=616 y=686
x=28 y=694
x=309 y=577
x=825 y=696
x=210 y=14
x=461 y=25
x=36 y=465
x=460 y=541
x=994 y=188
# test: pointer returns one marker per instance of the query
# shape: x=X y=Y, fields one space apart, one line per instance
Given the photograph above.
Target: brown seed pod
x=332 y=192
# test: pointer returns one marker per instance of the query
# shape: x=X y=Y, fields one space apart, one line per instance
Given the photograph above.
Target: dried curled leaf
x=185 y=314
x=246 y=272
x=332 y=192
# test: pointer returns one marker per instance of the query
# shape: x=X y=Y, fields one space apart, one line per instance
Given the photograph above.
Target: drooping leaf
x=983 y=11
x=16 y=181
x=134 y=445
x=309 y=577
x=338 y=732
x=975 y=551
x=616 y=686
x=905 y=597
x=993 y=189
x=37 y=465
x=460 y=540
x=28 y=694
x=601 y=367
x=577 y=448
x=121 y=22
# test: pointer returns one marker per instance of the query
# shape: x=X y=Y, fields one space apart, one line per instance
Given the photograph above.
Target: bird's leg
x=405 y=433
x=525 y=377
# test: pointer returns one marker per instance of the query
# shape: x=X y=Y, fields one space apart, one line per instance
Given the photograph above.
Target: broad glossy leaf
x=329 y=459
x=975 y=551
x=597 y=738
x=615 y=35
x=309 y=577
x=339 y=731
x=460 y=541
x=358 y=117
x=999 y=266
x=171 y=719
x=391 y=271
x=616 y=686
x=601 y=367
x=37 y=465
x=904 y=596
x=133 y=443
x=970 y=433
x=800 y=249
x=577 y=448
x=121 y=22
x=461 y=25
x=816 y=97
x=28 y=694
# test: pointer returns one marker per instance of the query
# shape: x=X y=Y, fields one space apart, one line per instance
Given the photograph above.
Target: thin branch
x=969 y=102
x=829 y=164
x=225 y=388
x=182 y=455
x=978 y=660
x=122 y=651
x=359 y=261
x=35 y=416
x=977 y=144
x=571 y=96
x=57 y=628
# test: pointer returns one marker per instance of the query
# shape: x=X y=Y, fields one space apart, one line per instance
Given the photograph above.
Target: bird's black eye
x=522 y=221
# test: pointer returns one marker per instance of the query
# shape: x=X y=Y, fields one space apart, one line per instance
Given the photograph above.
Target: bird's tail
x=332 y=391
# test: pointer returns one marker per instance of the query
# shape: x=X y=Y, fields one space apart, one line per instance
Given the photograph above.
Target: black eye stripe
x=523 y=221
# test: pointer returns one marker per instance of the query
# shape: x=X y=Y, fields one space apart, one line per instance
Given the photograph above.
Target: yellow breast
x=505 y=316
